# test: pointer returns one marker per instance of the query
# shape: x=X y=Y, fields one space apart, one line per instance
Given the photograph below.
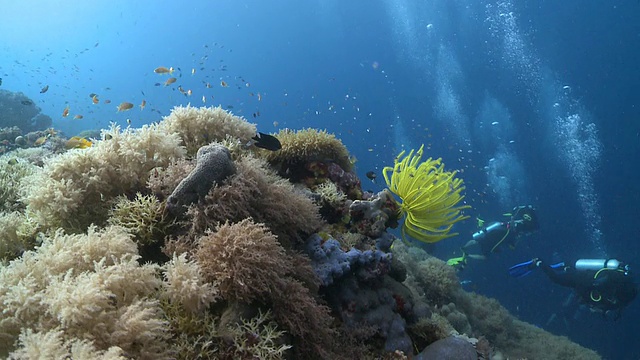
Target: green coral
x=142 y=216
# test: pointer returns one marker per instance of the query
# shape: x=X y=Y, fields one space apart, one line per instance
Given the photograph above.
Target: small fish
x=12 y=161
x=247 y=84
x=259 y=97
x=372 y=176
x=208 y=85
x=128 y=121
x=275 y=124
x=1 y=82
x=495 y=123
x=143 y=104
x=223 y=83
x=44 y=89
x=65 y=112
x=157 y=84
x=92 y=95
x=189 y=92
x=204 y=99
x=26 y=102
x=41 y=140
x=95 y=99
x=163 y=70
x=77 y=142
x=170 y=81
x=124 y=106
x=78 y=117
x=193 y=71
x=107 y=101
x=266 y=141
x=229 y=106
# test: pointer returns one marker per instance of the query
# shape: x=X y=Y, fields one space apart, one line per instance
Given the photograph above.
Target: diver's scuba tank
x=478 y=235
x=597 y=264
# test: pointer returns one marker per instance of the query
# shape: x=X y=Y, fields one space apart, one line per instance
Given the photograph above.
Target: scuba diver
x=490 y=239
x=604 y=285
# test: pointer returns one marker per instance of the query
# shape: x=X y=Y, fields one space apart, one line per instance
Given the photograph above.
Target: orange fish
x=223 y=83
x=65 y=112
x=78 y=117
x=170 y=81
x=143 y=104
x=41 y=140
x=95 y=99
x=163 y=70
x=124 y=106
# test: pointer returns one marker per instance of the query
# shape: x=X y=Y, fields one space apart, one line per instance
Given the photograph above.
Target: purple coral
x=213 y=165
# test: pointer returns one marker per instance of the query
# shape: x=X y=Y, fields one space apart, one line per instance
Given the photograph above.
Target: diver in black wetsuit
x=496 y=235
x=604 y=285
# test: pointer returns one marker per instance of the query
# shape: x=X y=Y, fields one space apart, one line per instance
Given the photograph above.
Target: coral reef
x=283 y=258
x=198 y=127
x=19 y=110
x=247 y=264
x=256 y=191
x=75 y=189
x=88 y=286
x=143 y=217
x=213 y=165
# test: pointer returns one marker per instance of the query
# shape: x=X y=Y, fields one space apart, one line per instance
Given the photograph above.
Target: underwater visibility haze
x=525 y=103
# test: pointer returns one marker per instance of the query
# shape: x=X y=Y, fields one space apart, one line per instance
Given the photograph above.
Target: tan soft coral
x=200 y=126
x=89 y=285
x=307 y=145
x=73 y=190
x=247 y=264
x=256 y=191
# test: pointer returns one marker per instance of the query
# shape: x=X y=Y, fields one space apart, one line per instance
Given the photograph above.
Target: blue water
x=534 y=102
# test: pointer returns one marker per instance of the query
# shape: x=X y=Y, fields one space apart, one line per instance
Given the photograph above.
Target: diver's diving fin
x=522 y=269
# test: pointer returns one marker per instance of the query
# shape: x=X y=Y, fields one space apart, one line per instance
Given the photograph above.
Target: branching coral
x=17 y=234
x=429 y=196
x=200 y=126
x=142 y=216
x=256 y=192
x=258 y=338
x=12 y=172
x=92 y=287
x=247 y=263
x=184 y=284
x=308 y=145
x=73 y=190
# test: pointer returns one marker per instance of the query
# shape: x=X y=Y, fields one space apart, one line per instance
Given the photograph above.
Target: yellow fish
x=41 y=140
x=77 y=142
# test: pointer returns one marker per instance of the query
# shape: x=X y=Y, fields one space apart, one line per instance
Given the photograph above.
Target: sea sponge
x=142 y=216
x=89 y=285
x=256 y=191
x=200 y=126
x=73 y=190
x=213 y=166
x=305 y=146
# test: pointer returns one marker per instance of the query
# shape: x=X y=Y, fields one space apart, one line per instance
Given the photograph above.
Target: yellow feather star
x=429 y=196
